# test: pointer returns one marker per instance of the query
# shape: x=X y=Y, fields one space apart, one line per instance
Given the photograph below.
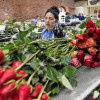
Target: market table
x=88 y=79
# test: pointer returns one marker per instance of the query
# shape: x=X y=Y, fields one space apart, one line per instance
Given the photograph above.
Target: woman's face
x=49 y=20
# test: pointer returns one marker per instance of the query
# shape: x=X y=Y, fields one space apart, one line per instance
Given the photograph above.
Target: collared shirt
x=35 y=22
x=48 y=34
x=67 y=19
x=80 y=17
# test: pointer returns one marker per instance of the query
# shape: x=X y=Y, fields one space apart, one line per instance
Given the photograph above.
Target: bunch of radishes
x=13 y=85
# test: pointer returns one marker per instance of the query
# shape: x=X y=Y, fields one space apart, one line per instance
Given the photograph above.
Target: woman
x=51 y=17
x=36 y=20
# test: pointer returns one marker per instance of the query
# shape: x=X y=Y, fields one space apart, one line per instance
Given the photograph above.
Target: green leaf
x=22 y=35
x=89 y=18
x=35 y=80
x=99 y=26
x=67 y=60
x=14 y=20
x=80 y=32
x=27 y=40
x=8 y=46
x=61 y=60
x=82 y=26
x=42 y=45
x=33 y=35
x=6 y=51
x=55 y=90
x=17 y=42
x=35 y=63
x=32 y=48
x=66 y=82
x=98 y=22
x=69 y=71
x=73 y=81
x=27 y=70
x=52 y=74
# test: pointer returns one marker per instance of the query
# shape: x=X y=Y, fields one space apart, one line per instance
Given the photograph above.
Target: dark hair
x=54 y=10
x=67 y=13
x=37 y=16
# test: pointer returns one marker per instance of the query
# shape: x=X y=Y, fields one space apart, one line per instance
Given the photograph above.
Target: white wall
x=83 y=10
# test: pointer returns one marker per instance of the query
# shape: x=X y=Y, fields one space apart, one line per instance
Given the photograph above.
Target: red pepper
x=35 y=93
x=16 y=64
x=7 y=75
x=7 y=88
x=38 y=86
x=23 y=91
x=44 y=96
x=20 y=72
x=1 y=71
x=28 y=98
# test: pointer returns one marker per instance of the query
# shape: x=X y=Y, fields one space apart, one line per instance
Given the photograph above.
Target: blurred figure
x=67 y=18
x=99 y=16
x=36 y=20
x=80 y=16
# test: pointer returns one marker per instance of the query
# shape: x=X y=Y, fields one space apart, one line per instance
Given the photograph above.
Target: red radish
x=16 y=64
x=23 y=91
x=1 y=54
x=7 y=88
x=44 y=96
x=38 y=86
x=35 y=93
x=7 y=75
x=20 y=72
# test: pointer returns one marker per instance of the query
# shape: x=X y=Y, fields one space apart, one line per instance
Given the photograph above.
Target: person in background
x=99 y=16
x=51 y=17
x=80 y=16
x=36 y=20
x=67 y=18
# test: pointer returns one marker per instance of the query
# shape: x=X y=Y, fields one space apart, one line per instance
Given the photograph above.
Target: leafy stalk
x=27 y=61
x=30 y=78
